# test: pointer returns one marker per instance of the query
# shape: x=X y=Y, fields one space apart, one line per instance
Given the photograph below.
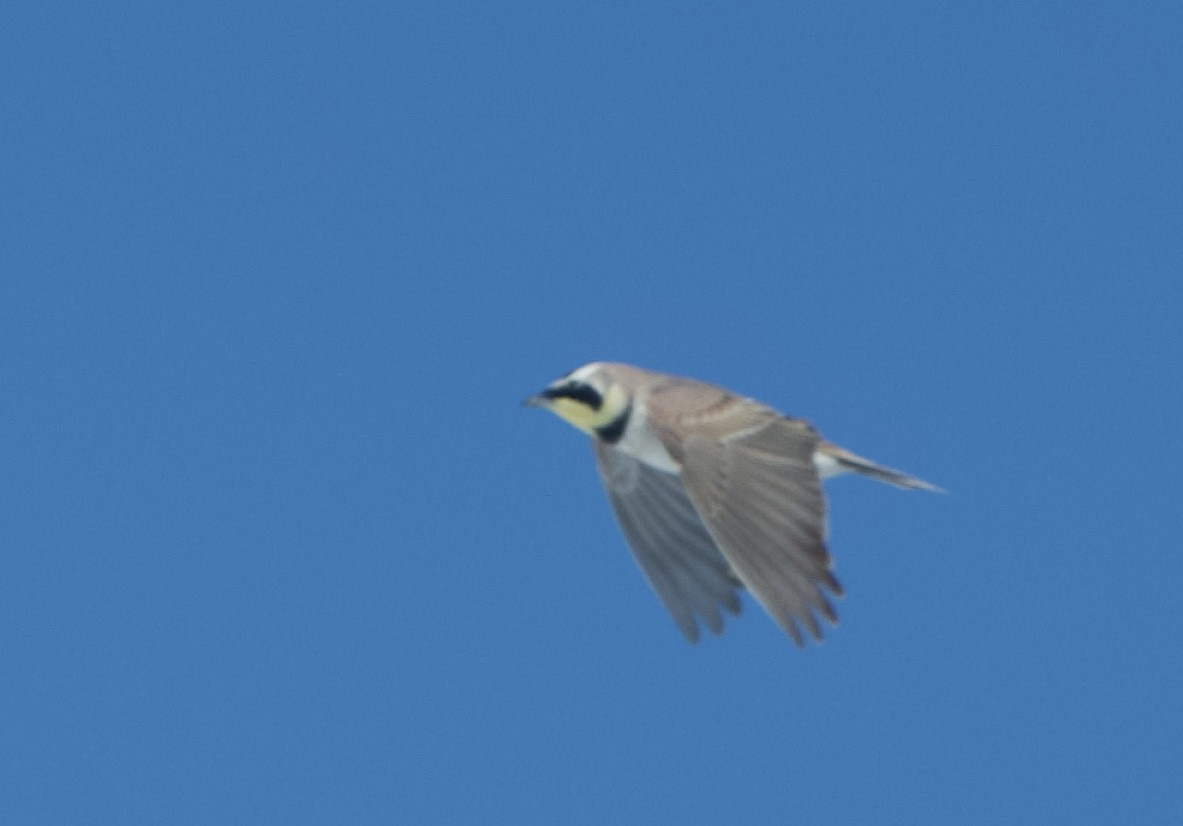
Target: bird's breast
x=642 y=443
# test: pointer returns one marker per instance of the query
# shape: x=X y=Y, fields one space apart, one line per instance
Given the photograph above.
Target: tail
x=832 y=460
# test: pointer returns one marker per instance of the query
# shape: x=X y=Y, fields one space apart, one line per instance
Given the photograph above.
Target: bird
x=714 y=492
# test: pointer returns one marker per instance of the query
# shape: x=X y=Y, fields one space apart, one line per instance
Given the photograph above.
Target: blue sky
x=279 y=545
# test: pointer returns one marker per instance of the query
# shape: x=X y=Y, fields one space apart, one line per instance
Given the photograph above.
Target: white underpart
x=827 y=465
x=640 y=442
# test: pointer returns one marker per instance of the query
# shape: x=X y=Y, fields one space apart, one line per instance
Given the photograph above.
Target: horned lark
x=715 y=492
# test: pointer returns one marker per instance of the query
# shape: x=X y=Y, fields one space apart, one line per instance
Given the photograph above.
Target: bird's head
x=589 y=398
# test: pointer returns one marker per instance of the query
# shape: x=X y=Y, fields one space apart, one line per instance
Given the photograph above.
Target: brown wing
x=670 y=543
x=751 y=476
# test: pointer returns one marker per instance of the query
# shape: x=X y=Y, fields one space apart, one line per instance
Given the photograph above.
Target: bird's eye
x=577 y=391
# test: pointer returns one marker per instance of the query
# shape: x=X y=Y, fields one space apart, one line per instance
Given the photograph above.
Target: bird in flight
x=715 y=492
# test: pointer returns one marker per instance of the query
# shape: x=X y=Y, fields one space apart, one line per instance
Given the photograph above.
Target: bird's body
x=714 y=492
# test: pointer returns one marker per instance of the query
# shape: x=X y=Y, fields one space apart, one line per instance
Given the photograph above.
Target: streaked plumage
x=714 y=492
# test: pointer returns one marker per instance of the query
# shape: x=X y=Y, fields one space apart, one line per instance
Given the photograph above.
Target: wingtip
x=790 y=627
